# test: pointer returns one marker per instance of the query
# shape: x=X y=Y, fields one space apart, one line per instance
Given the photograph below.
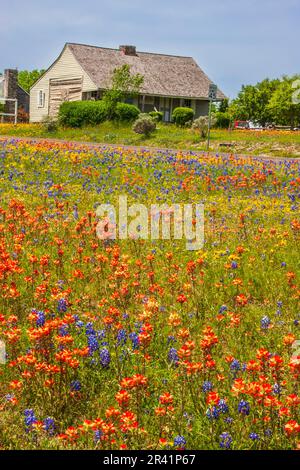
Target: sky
x=234 y=41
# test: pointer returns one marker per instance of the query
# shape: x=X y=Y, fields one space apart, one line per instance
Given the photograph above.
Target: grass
x=272 y=143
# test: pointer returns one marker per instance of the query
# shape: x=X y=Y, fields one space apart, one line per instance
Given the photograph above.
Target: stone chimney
x=10 y=88
x=128 y=50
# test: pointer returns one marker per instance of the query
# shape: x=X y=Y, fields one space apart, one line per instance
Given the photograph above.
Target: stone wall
x=10 y=88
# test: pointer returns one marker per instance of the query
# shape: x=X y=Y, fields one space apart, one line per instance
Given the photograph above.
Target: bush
x=126 y=112
x=222 y=120
x=182 y=115
x=81 y=113
x=144 y=125
x=201 y=124
x=50 y=124
x=157 y=116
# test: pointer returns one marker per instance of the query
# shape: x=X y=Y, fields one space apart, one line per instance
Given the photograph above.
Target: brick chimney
x=10 y=88
x=128 y=50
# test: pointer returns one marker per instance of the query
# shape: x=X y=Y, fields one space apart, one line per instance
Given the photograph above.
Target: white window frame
x=41 y=99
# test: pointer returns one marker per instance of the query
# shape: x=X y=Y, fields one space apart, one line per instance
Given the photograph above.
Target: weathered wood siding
x=63 y=90
x=66 y=67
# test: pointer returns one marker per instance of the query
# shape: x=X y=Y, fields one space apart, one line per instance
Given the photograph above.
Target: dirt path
x=146 y=149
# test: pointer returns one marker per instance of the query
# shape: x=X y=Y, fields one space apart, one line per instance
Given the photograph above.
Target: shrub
x=50 y=124
x=81 y=113
x=222 y=120
x=157 y=116
x=126 y=112
x=182 y=115
x=144 y=125
x=201 y=124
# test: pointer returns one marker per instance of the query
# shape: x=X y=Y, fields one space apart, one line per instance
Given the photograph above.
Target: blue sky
x=234 y=41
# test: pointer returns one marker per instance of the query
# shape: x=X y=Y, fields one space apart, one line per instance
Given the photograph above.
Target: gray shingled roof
x=164 y=75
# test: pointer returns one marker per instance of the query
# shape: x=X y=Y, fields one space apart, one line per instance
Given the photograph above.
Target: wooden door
x=61 y=90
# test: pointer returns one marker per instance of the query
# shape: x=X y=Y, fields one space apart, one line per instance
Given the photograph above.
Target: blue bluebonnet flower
x=276 y=389
x=265 y=322
x=225 y=440
x=97 y=435
x=244 y=407
x=173 y=356
x=268 y=432
x=222 y=309
x=9 y=397
x=207 y=386
x=63 y=330
x=92 y=344
x=75 y=212
x=228 y=420
x=89 y=329
x=104 y=357
x=171 y=339
x=254 y=436
x=62 y=306
x=134 y=339
x=235 y=365
x=179 y=441
x=222 y=406
x=49 y=425
x=41 y=318
x=29 y=419
x=212 y=413
x=234 y=265
x=101 y=334
x=121 y=337
x=75 y=386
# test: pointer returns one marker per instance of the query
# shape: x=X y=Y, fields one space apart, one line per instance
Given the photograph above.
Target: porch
x=166 y=105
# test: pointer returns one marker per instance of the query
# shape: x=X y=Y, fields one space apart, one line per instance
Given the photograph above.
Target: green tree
x=27 y=78
x=124 y=85
x=253 y=100
x=284 y=105
x=224 y=105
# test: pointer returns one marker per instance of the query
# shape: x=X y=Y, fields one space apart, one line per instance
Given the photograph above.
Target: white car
x=254 y=126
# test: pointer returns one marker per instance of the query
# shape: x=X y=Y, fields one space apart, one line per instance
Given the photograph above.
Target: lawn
x=143 y=344
x=272 y=143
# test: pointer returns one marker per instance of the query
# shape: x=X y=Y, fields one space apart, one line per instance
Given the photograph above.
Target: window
x=41 y=99
x=91 y=95
x=187 y=103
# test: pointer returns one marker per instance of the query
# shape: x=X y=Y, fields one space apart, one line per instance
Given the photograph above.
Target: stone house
x=83 y=72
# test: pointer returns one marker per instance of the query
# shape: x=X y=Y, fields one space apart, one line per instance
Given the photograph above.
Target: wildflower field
x=142 y=344
x=268 y=142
